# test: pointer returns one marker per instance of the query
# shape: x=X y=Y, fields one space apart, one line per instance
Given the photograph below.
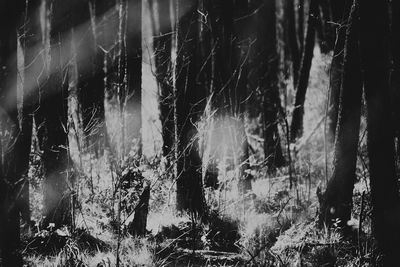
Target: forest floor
x=273 y=225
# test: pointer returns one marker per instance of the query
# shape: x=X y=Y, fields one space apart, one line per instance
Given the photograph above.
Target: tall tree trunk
x=337 y=7
x=293 y=39
x=272 y=103
x=134 y=72
x=337 y=200
x=296 y=129
x=90 y=80
x=375 y=51
x=300 y=24
x=10 y=186
x=229 y=74
x=189 y=107
x=162 y=50
x=395 y=75
x=327 y=38
x=336 y=73
x=239 y=89
x=31 y=39
x=52 y=116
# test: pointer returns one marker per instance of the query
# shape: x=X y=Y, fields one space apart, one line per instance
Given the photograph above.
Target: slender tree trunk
x=395 y=75
x=337 y=200
x=300 y=24
x=90 y=80
x=162 y=49
x=10 y=186
x=296 y=129
x=272 y=103
x=229 y=74
x=189 y=107
x=375 y=51
x=336 y=73
x=134 y=72
x=239 y=89
x=31 y=39
x=337 y=7
x=327 y=39
x=292 y=39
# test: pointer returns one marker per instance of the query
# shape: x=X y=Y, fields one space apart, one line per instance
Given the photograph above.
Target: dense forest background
x=199 y=133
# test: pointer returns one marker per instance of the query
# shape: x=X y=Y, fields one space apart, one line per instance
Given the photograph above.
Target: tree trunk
x=162 y=50
x=272 y=103
x=138 y=225
x=374 y=43
x=337 y=200
x=327 y=39
x=189 y=107
x=31 y=39
x=296 y=129
x=300 y=24
x=52 y=116
x=336 y=74
x=90 y=80
x=239 y=88
x=134 y=72
x=395 y=75
x=292 y=39
x=10 y=185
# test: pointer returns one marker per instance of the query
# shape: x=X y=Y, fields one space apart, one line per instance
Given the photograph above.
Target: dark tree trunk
x=292 y=39
x=337 y=200
x=13 y=151
x=90 y=80
x=395 y=75
x=31 y=39
x=189 y=107
x=336 y=74
x=139 y=222
x=374 y=43
x=296 y=129
x=229 y=74
x=52 y=118
x=327 y=36
x=162 y=50
x=337 y=7
x=300 y=24
x=269 y=82
x=134 y=72
x=239 y=88
x=221 y=17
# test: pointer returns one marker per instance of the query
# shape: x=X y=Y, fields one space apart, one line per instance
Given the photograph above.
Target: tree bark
x=90 y=80
x=162 y=50
x=374 y=43
x=336 y=74
x=52 y=116
x=296 y=129
x=293 y=39
x=239 y=88
x=189 y=107
x=300 y=24
x=134 y=72
x=31 y=39
x=395 y=74
x=138 y=225
x=10 y=185
x=327 y=39
x=337 y=200
x=269 y=82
